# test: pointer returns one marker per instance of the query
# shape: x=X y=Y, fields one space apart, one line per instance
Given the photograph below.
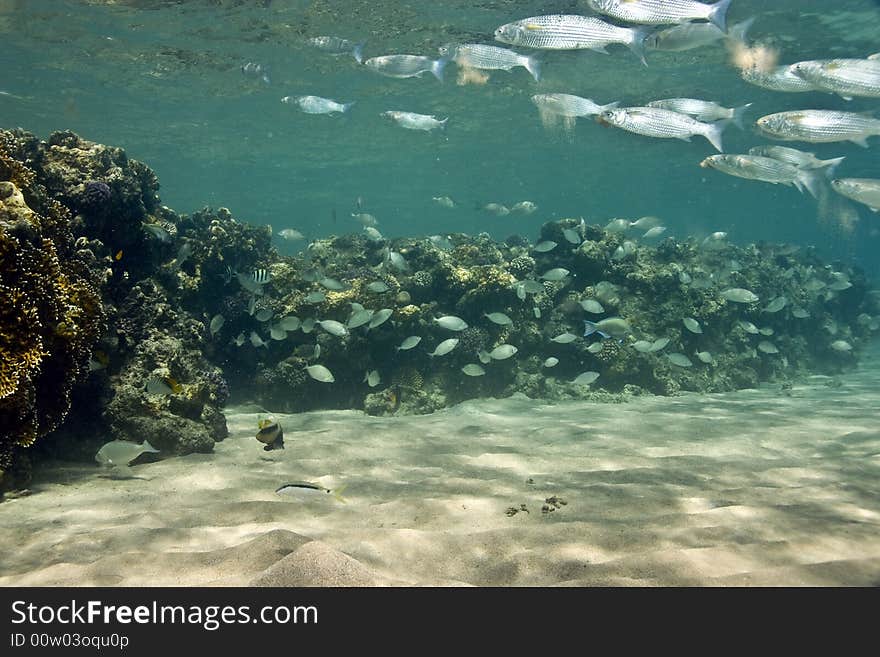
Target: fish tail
x=713 y=134
x=438 y=67
x=829 y=166
x=718 y=14
x=358 y=52
x=637 y=45
x=737 y=34
x=813 y=180
x=533 y=66
x=738 y=114
x=348 y=106
x=443 y=123
x=337 y=493
x=589 y=327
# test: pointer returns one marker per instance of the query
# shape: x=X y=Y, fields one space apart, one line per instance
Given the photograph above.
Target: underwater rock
x=193 y=293
x=52 y=312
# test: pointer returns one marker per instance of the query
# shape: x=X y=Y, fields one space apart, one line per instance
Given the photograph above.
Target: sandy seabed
x=758 y=487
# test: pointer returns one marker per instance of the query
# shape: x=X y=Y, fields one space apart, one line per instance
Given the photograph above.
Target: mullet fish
x=571 y=32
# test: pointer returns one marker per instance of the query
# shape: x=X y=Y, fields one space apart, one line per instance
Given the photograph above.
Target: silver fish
x=503 y=352
x=372 y=378
x=780 y=78
x=498 y=318
x=338 y=46
x=739 y=295
x=571 y=32
x=257 y=341
x=445 y=347
x=863 y=190
x=545 y=246
x=586 y=378
x=291 y=234
x=847 y=78
x=569 y=105
x=702 y=110
x=679 y=359
x=663 y=12
x=122 y=452
x=317 y=105
x=320 y=373
x=380 y=317
x=452 y=323
x=485 y=57
x=800 y=159
x=409 y=343
x=662 y=123
x=820 y=126
x=407 y=66
x=333 y=327
x=217 y=322
x=443 y=201
x=556 y=274
x=413 y=121
x=472 y=369
x=688 y=36
x=765 y=169
x=359 y=318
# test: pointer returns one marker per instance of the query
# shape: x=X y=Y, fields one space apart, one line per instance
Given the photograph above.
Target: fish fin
x=718 y=14
x=337 y=493
x=813 y=180
x=637 y=45
x=443 y=123
x=739 y=32
x=830 y=166
x=438 y=66
x=738 y=114
x=609 y=106
x=847 y=98
x=348 y=106
x=589 y=327
x=861 y=141
x=358 y=52
x=601 y=49
x=713 y=134
x=533 y=66
x=149 y=448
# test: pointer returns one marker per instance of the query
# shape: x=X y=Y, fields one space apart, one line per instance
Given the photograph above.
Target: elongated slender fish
x=337 y=46
x=485 y=57
x=317 y=105
x=847 y=78
x=662 y=123
x=571 y=32
x=820 y=126
x=407 y=66
x=305 y=490
x=687 y=36
x=780 y=78
x=702 y=110
x=798 y=158
x=569 y=105
x=863 y=190
x=663 y=12
x=766 y=169
x=413 y=121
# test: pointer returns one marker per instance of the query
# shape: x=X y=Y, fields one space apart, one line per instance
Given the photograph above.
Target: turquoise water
x=163 y=80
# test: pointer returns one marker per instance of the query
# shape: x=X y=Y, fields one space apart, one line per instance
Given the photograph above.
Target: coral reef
x=105 y=290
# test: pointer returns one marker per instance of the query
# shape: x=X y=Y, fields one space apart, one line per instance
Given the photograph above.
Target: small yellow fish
x=118 y=255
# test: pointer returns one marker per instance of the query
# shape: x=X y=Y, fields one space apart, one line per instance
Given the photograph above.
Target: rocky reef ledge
x=120 y=317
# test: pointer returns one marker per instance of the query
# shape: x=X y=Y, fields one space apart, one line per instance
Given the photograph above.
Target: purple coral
x=96 y=194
